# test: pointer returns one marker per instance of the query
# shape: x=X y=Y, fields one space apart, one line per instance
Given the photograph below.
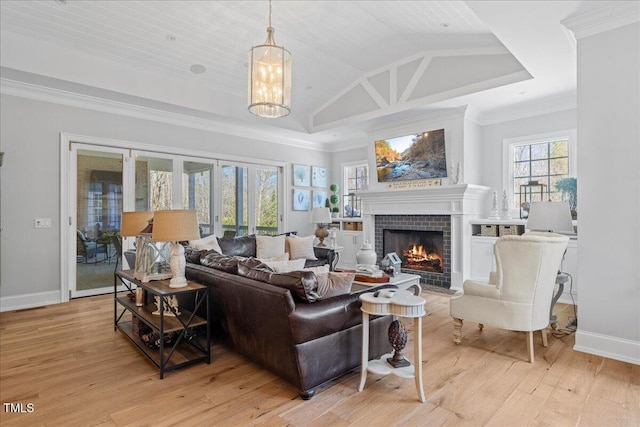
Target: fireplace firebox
x=418 y=249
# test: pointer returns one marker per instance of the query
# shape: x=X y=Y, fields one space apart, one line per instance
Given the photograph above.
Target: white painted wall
x=30 y=182
x=491 y=153
x=609 y=193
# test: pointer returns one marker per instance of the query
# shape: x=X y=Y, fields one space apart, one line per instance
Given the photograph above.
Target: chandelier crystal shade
x=269 y=78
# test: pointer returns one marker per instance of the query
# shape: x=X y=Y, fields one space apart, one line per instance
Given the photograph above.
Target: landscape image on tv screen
x=411 y=157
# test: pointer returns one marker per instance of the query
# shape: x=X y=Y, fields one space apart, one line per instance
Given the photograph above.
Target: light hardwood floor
x=67 y=361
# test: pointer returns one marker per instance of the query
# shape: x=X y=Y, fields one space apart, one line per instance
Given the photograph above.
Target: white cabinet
x=349 y=235
x=482 y=259
x=351 y=241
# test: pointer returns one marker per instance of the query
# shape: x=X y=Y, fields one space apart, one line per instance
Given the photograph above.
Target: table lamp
x=550 y=216
x=321 y=216
x=175 y=226
x=151 y=262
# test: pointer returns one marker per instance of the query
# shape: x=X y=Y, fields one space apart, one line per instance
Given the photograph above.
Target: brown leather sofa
x=276 y=321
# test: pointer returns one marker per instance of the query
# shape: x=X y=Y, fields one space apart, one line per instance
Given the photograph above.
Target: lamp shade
x=175 y=225
x=550 y=216
x=320 y=216
x=134 y=222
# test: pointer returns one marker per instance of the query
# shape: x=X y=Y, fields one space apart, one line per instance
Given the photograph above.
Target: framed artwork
x=319 y=198
x=318 y=176
x=301 y=200
x=301 y=175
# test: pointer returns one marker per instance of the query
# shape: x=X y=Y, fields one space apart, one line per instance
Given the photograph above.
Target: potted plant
x=569 y=189
x=335 y=200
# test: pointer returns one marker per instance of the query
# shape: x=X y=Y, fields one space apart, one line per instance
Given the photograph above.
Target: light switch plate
x=42 y=223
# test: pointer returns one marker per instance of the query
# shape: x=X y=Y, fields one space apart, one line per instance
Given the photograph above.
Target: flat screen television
x=411 y=157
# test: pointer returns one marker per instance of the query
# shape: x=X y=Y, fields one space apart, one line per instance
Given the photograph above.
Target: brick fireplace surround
x=423 y=223
x=448 y=208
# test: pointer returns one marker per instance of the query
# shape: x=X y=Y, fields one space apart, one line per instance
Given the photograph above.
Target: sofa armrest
x=327 y=254
x=313 y=320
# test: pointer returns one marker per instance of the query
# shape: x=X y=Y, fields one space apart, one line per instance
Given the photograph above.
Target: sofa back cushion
x=242 y=246
x=302 y=284
x=219 y=262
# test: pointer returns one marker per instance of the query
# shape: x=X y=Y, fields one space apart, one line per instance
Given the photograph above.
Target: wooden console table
x=187 y=348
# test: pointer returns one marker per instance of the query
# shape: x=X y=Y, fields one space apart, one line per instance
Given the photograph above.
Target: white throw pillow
x=331 y=284
x=269 y=246
x=322 y=269
x=283 y=257
x=301 y=247
x=286 y=266
x=206 y=243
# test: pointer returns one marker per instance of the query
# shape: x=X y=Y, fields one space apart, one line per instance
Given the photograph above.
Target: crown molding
x=57 y=96
x=604 y=19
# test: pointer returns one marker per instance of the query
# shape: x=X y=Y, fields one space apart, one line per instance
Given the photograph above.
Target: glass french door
x=250 y=199
x=230 y=199
x=97 y=197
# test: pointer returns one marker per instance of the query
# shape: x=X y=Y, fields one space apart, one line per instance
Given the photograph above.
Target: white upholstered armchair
x=519 y=293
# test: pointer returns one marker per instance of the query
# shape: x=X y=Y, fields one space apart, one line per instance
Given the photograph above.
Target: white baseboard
x=21 y=302
x=607 y=346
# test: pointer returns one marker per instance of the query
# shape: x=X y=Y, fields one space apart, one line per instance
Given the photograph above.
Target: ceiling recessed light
x=61 y=1
x=171 y=37
x=309 y=87
x=444 y=24
x=522 y=92
x=197 y=69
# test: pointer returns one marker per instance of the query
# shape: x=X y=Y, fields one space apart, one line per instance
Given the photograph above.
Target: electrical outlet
x=42 y=223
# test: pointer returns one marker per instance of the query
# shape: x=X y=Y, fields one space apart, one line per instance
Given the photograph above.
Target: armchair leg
x=530 y=346
x=545 y=342
x=457 y=330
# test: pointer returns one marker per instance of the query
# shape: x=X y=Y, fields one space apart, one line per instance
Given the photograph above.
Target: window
x=544 y=158
x=355 y=179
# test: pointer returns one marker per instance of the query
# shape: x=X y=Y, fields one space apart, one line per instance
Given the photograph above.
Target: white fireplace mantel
x=462 y=202
x=458 y=199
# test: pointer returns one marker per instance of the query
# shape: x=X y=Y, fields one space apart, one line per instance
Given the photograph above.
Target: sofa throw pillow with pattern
x=331 y=284
x=301 y=247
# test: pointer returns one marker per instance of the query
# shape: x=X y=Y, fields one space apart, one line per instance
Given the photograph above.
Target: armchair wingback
x=519 y=293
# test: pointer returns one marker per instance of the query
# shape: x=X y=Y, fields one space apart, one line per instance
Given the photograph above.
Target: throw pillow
x=331 y=284
x=301 y=247
x=269 y=246
x=206 y=243
x=244 y=246
x=286 y=266
x=283 y=257
x=318 y=270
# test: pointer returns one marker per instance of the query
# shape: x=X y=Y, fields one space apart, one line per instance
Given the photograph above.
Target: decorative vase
x=398 y=340
x=366 y=255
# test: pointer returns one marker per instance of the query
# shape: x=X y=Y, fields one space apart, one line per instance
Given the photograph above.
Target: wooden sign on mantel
x=415 y=184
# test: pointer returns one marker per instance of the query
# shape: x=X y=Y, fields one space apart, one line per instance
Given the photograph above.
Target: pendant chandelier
x=269 y=78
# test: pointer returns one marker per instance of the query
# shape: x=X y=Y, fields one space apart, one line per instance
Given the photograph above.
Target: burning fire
x=418 y=257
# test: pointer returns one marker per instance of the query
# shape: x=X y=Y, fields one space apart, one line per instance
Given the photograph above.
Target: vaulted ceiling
x=355 y=63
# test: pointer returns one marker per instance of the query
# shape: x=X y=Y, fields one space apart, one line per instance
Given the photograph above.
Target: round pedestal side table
x=399 y=303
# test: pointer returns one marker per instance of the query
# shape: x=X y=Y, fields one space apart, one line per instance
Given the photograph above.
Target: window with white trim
x=355 y=178
x=544 y=158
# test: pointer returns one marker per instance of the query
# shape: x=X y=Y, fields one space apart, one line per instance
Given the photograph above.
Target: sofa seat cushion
x=242 y=246
x=302 y=284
